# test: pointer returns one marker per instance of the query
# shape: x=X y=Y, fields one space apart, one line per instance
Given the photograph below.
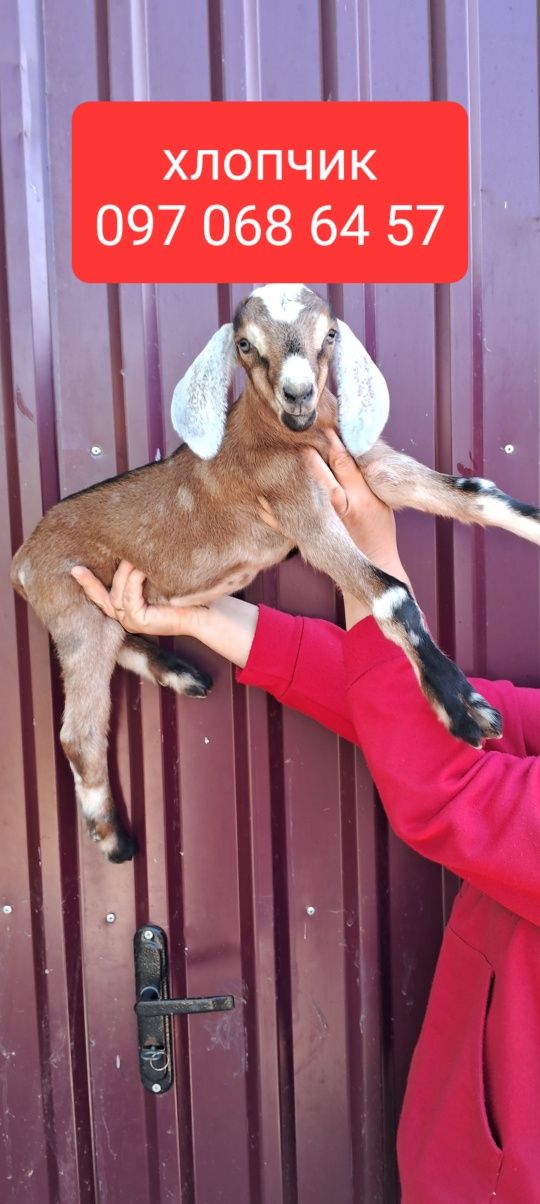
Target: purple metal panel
x=510 y=267
x=40 y=1044
x=247 y=817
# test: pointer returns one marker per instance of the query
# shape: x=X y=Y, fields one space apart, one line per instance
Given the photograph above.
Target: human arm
x=528 y=706
x=475 y=811
x=298 y=660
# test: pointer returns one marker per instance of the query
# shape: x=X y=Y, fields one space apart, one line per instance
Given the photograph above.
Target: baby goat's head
x=285 y=337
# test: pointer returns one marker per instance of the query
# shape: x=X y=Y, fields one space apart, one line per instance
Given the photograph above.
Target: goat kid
x=192 y=523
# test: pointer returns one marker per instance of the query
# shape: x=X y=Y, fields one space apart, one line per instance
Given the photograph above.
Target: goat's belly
x=194 y=583
x=230 y=585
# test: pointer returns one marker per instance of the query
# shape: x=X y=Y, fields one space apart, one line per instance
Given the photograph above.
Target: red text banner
x=200 y=192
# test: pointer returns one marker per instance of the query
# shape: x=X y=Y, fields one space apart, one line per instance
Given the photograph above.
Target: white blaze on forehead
x=283 y=301
x=296 y=371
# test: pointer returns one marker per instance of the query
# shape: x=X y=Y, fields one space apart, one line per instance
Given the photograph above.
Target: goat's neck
x=252 y=423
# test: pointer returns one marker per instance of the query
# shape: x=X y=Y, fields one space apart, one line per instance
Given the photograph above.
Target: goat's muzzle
x=298 y=422
x=298 y=405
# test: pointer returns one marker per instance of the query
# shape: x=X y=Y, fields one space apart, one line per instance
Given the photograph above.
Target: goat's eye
x=331 y=335
x=244 y=345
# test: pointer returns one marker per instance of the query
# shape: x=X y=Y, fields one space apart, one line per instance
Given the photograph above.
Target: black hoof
x=470 y=717
x=200 y=687
x=188 y=680
x=125 y=849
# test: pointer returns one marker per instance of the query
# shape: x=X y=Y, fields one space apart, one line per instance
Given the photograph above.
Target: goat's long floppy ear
x=199 y=403
x=363 y=400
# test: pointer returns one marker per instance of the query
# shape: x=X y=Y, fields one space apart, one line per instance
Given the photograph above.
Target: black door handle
x=184 y=1007
x=154 y=1009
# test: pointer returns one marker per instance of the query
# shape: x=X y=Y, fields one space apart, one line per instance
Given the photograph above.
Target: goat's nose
x=299 y=394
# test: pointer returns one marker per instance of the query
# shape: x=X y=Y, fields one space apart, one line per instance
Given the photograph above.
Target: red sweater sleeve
x=300 y=662
x=528 y=703
x=477 y=812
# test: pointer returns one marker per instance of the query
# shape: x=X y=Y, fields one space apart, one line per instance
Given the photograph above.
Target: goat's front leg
x=402 y=482
x=325 y=543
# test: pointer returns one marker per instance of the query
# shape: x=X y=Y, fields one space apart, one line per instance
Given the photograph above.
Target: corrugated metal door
x=248 y=818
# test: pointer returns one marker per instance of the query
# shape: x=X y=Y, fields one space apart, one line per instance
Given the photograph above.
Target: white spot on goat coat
x=481 y=482
x=137 y=662
x=93 y=799
x=498 y=513
x=283 y=301
x=385 y=607
x=184 y=497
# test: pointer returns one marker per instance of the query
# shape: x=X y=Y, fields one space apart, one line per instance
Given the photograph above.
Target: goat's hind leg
x=162 y=667
x=404 y=483
x=87 y=644
x=482 y=501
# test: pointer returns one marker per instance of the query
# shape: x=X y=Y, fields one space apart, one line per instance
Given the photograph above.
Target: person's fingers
x=119 y=584
x=125 y=596
x=130 y=607
x=343 y=465
x=133 y=599
x=267 y=515
x=94 y=589
x=327 y=481
x=348 y=473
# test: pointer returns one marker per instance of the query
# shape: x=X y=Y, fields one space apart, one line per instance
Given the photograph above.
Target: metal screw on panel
x=310 y=911
x=95 y=450
x=156 y=1087
x=148 y=934
x=7 y=909
x=509 y=448
x=110 y=917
